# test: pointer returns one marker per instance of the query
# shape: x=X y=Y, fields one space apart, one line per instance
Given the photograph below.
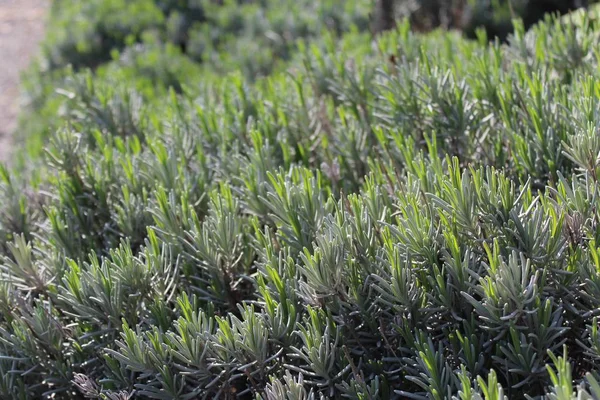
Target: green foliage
x=407 y=218
x=162 y=44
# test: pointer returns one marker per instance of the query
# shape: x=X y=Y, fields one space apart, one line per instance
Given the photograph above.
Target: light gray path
x=21 y=29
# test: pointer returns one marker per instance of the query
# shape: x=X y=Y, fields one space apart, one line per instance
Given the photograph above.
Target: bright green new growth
x=413 y=217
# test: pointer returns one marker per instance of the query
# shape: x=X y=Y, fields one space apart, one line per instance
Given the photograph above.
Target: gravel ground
x=21 y=29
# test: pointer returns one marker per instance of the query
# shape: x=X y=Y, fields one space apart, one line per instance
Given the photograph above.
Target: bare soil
x=21 y=29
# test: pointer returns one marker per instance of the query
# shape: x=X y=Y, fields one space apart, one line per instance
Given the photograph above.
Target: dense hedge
x=158 y=44
x=408 y=218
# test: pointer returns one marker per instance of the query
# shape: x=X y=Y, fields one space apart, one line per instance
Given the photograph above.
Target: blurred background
x=45 y=46
x=467 y=15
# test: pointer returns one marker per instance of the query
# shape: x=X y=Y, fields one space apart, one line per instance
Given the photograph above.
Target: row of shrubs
x=407 y=218
x=158 y=44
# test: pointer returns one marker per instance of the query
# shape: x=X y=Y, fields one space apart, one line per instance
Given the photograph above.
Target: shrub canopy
x=410 y=217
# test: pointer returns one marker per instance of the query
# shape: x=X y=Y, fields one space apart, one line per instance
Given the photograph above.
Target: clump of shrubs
x=408 y=218
x=166 y=43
